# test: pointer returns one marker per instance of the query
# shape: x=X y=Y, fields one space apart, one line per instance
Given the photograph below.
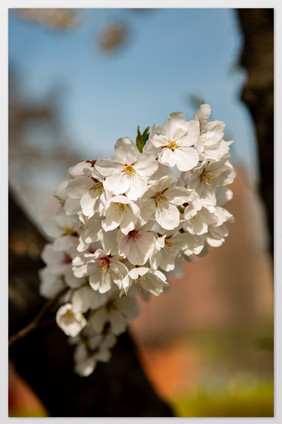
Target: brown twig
x=36 y=322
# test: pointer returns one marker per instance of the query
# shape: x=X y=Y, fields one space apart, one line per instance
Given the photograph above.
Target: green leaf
x=142 y=138
x=181 y=209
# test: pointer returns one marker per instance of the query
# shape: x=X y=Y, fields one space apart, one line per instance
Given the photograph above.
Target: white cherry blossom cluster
x=126 y=221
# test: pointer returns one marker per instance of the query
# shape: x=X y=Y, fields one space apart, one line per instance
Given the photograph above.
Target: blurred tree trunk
x=257 y=58
x=44 y=359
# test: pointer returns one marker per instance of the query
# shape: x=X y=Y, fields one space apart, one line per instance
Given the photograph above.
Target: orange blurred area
x=22 y=401
x=172 y=368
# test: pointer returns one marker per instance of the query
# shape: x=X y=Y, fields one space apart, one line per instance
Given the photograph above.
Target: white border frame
x=5 y=5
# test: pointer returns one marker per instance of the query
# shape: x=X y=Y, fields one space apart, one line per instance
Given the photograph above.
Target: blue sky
x=171 y=54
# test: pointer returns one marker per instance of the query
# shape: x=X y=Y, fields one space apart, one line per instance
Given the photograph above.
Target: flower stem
x=36 y=323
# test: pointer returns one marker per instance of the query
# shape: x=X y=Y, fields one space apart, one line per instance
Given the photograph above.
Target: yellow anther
x=159 y=198
x=129 y=170
x=168 y=243
x=121 y=206
x=104 y=263
x=208 y=177
x=98 y=186
x=172 y=145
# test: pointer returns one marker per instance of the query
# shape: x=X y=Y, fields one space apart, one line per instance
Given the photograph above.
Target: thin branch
x=36 y=322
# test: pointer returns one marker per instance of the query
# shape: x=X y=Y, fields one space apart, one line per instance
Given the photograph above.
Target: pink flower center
x=104 y=263
x=67 y=259
x=133 y=235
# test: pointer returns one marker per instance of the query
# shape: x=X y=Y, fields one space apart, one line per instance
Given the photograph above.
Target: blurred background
x=81 y=78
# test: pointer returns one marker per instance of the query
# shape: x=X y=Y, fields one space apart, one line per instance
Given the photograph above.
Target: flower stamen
x=159 y=198
x=207 y=177
x=98 y=186
x=133 y=235
x=104 y=263
x=129 y=170
x=172 y=145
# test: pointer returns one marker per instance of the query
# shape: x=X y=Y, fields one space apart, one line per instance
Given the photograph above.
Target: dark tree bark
x=257 y=58
x=44 y=359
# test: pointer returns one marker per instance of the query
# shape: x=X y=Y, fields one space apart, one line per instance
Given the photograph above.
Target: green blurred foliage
x=240 y=400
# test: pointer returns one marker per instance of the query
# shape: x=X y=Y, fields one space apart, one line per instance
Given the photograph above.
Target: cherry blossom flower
x=161 y=201
x=69 y=320
x=210 y=175
x=210 y=144
x=116 y=312
x=97 y=349
x=169 y=248
x=127 y=222
x=145 y=281
x=120 y=212
x=87 y=189
x=197 y=221
x=137 y=245
x=103 y=270
x=128 y=172
x=85 y=298
x=63 y=228
x=175 y=141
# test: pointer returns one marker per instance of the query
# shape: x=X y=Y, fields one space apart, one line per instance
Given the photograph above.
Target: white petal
x=118 y=184
x=69 y=321
x=71 y=280
x=146 y=165
x=64 y=242
x=118 y=269
x=157 y=139
x=77 y=170
x=193 y=133
x=126 y=151
x=60 y=192
x=108 y=167
x=223 y=195
x=114 y=216
x=138 y=186
x=51 y=227
x=88 y=202
x=78 y=187
x=99 y=318
x=175 y=125
x=167 y=216
x=129 y=220
x=186 y=158
x=118 y=322
x=160 y=186
x=105 y=285
x=72 y=206
x=109 y=242
x=50 y=284
x=86 y=298
x=197 y=225
x=92 y=232
x=153 y=284
x=66 y=221
x=203 y=115
x=167 y=157
x=50 y=256
x=177 y=195
x=147 y=209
